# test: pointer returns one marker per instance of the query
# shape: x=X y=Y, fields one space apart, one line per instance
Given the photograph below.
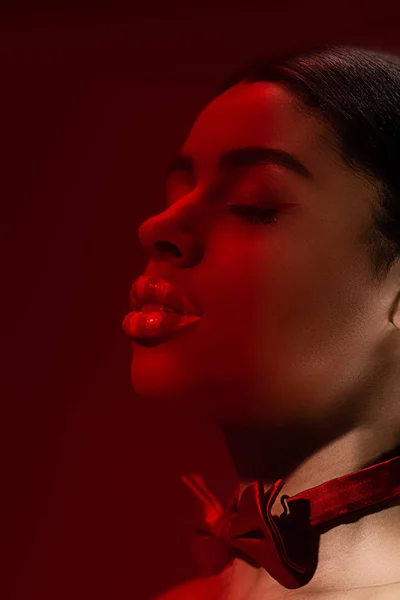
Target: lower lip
x=152 y=328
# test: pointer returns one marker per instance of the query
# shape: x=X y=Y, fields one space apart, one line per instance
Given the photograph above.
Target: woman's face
x=291 y=316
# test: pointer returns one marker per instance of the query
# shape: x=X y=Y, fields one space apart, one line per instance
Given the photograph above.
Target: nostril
x=165 y=246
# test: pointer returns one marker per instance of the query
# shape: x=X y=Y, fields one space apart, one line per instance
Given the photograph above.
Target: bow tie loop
x=248 y=530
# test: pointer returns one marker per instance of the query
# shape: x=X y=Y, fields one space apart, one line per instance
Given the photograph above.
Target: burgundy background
x=94 y=104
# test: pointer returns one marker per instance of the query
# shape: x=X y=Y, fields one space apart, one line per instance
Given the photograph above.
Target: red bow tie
x=287 y=546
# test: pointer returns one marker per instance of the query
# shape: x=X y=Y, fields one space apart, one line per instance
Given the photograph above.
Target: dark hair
x=357 y=93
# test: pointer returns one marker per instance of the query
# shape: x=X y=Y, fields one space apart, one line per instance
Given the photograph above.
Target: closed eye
x=254 y=214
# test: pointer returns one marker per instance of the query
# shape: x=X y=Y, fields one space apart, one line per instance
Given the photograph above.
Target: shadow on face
x=262 y=229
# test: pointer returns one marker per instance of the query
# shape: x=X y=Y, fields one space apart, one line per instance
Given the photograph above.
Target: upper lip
x=148 y=289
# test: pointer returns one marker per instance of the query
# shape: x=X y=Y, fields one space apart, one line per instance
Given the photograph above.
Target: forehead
x=256 y=114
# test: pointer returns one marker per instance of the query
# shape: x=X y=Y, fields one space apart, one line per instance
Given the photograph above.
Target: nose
x=173 y=236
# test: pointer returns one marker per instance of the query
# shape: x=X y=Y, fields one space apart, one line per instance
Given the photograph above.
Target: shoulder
x=208 y=588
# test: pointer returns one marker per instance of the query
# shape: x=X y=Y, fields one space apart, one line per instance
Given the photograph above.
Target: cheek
x=236 y=271
x=315 y=340
x=234 y=296
x=234 y=266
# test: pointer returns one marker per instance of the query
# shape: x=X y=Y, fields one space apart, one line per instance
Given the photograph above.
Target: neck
x=306 y=455
x=356 y=450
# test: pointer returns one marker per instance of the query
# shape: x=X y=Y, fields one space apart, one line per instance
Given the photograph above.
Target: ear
x=395 y=312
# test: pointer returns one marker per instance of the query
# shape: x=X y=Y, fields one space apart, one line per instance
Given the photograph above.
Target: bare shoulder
x=208 y=588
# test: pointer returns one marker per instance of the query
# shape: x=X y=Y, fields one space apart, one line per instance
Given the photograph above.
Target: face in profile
x=262 y=229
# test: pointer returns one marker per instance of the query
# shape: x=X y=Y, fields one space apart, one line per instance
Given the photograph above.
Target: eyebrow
x=250 y=156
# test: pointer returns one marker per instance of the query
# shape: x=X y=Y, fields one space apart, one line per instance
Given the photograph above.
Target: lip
x=153 y=290
x=160 y=311
x=152 y=328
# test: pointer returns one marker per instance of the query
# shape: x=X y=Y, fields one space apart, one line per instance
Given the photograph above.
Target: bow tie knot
x=248 y=530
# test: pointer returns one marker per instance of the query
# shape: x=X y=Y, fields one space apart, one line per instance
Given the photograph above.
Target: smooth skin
x=296 y=357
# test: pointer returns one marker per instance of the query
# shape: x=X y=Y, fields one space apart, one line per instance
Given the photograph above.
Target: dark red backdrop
x=94 y=104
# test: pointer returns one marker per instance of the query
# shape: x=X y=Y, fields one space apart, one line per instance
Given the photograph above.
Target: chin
x=161 y=380
x=165 y=385
x=159 y=376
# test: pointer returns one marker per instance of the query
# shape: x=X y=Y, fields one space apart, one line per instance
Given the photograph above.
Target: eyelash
x=254 y=213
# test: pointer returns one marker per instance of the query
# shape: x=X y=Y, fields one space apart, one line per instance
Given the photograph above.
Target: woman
x=282 y=232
